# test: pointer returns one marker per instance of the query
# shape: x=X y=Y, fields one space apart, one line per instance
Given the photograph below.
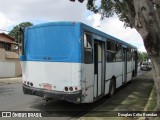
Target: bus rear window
x=55 y=42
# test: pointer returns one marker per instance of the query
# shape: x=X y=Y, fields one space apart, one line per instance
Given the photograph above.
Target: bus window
x=87 y=48
x=87 y=40
x=129 y=57
x=133 y=54
x=111 y=51
x=110 y=56
x=118 y=53
x=111 y=46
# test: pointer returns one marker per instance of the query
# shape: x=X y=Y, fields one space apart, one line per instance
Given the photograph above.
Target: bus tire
x=112 y=87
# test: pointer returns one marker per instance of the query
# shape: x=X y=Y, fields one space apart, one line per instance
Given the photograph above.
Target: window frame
x=114 y=49
x=86 y=48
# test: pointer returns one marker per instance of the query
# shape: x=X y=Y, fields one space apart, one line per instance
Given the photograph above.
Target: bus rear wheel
x=112 y=88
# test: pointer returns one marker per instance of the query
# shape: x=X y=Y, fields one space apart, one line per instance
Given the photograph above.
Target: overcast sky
x=13 y=12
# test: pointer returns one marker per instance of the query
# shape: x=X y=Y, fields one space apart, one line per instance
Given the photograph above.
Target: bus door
x=136 y=62
x=99 y=68
x=124 y=64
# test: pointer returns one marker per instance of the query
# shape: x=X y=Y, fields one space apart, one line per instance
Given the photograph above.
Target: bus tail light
x=71 y=88
x=24 y=82
x=66 y=88
x=31 y=84
x=76 y=88
x=28 y=83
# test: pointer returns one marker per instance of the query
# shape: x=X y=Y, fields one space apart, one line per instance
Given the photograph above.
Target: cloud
x=37 y=11
x=114 y=27
x=95 y=20
x=51 y=10
x=4 y=22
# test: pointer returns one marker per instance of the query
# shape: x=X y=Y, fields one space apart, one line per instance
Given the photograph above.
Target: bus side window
x=118 y=52
x=111 y=51
x=133 y=54
x=129 y=56
x=88 y=48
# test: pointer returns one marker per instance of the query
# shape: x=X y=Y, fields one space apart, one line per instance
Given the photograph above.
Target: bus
x=74 y=62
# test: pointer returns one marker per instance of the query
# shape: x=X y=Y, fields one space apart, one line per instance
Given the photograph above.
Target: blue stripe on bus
x=48 y=59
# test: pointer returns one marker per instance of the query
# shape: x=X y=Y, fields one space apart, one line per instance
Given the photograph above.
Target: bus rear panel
x=51 y=64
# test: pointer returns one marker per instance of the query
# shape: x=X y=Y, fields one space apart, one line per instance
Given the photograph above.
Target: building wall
x=18 y=69
x=2 y=54
x=9 y=64
x=7 y=69
x=10 y=69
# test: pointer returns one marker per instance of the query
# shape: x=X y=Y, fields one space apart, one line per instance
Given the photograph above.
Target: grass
x=150 y=106
x=140 y=95
x=152 y=101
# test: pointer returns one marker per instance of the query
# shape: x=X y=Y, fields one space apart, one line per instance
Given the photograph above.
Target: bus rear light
x=31 y=84
x=76 y=88
x=71 y=88
x=28 y=83
x=66 y=88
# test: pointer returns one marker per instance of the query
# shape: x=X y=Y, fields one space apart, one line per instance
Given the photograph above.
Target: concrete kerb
x=10 y=80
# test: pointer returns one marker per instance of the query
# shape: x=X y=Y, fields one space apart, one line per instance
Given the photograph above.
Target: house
x=9 y=57
x=8 y=43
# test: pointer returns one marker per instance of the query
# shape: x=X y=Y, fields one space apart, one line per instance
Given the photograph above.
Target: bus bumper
x=71 y=97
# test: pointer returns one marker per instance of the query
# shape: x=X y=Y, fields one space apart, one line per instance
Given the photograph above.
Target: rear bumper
x=72 y=97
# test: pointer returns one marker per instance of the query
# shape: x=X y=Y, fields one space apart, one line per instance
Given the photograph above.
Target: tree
x=14 y=32
x=143 y=56
x=140 y=57
x=144 y=16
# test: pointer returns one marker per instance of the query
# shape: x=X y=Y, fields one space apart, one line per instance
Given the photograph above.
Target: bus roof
x=85 y=27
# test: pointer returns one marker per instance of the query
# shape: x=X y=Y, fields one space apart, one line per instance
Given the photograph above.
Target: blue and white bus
x=74 y=62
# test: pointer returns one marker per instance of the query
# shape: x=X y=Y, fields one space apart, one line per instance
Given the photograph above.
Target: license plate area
x=47 y=86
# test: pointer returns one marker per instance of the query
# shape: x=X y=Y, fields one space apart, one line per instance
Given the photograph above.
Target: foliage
x=109 y=7
x=143 y=15
x=143 y=56
x=14 y=32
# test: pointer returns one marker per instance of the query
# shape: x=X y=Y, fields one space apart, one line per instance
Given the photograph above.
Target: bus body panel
x=107 y=83
x=53 y=73
x=54 y=61
x=114 y=69
x=87 y=83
